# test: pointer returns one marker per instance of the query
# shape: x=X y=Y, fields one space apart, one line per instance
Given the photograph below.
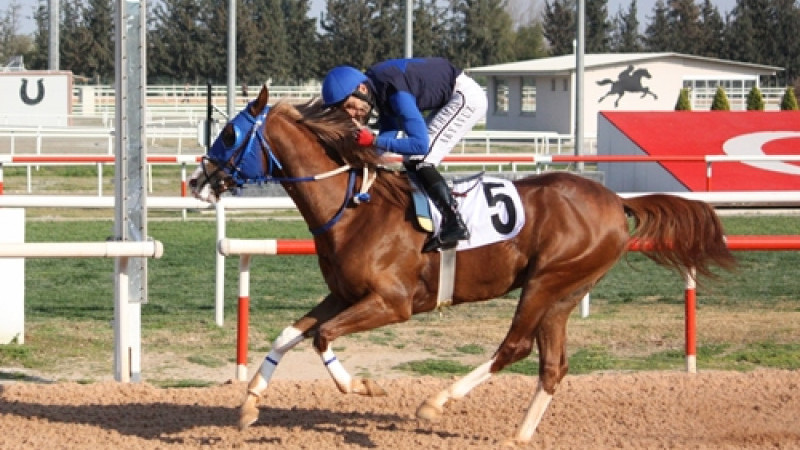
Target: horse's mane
x=336 y=132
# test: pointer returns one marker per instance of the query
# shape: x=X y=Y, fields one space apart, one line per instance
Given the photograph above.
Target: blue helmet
x=340 y=83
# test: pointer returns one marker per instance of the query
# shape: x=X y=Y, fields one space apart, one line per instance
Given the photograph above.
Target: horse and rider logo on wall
x=629 y=80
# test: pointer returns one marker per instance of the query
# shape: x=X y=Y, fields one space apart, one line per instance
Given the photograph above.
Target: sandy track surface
x=633 y=410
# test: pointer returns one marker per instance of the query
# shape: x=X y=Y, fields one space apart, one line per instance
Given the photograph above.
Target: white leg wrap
x=337 y=370
x=287 y=340
x=462 y=387
x=541 y=400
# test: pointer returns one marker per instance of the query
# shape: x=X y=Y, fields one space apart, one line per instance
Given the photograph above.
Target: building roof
x=565 y=64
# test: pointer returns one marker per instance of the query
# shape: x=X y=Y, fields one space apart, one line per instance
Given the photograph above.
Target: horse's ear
x=260 y=102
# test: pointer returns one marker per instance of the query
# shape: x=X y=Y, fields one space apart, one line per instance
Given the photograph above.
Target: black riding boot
x=453 y=228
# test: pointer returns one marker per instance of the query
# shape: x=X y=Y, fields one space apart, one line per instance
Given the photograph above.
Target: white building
x=539 y=94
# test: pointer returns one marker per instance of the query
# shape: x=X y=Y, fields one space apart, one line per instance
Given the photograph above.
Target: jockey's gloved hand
x=365 y=137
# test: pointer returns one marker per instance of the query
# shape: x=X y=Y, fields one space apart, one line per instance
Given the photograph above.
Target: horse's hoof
x=510 y=443
x=248 y=412
x=367 y=387
x=429 y=411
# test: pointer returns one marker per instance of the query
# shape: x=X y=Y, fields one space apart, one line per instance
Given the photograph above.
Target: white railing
x=787 y=198
x=181 y=139
x=59 y=140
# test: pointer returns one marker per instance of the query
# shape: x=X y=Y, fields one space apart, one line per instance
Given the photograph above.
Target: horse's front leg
x=346 y=383
x=328 y=308
x=288 y=339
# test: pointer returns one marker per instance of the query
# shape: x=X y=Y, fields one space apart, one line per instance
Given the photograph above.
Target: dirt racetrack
x=631 y=410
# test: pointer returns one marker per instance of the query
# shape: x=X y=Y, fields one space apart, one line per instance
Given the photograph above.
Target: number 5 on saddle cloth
x=490 y=207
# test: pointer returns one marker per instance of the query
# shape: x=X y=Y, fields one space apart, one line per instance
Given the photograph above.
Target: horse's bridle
x=229 y=160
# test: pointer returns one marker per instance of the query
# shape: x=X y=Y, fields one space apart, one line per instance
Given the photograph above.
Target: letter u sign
x=23 y=92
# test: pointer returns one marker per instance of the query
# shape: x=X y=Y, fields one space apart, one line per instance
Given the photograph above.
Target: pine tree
x=529 y=42
x=302 y=38
x=712 y=31
x=387 y=30
x=598 y=28
x=626 y=37
x=486 y=31
x=755 y=101
x=720 y=102
x=182 y=48
x=748 y=33
x=685 y=29
x=786 y=52
x=683 y=103
x=74 y=38
x=789 y=100
x=99 y=19
x=430 y=30
x=559 y=26
x=344 y=40
x=36 y=59
x=657 y=36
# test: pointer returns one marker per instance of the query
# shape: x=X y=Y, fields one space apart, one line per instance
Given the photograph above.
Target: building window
x=565 y=84
x=528 y=95
x=500 y=96
x=704 y=89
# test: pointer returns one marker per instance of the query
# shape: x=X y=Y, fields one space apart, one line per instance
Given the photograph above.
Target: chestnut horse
x=370 y=251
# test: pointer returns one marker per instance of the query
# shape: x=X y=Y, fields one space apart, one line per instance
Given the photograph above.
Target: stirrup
x=434 y=243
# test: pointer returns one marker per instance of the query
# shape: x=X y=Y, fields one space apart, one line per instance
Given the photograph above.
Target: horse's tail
x=605 y=81
x=679 y=233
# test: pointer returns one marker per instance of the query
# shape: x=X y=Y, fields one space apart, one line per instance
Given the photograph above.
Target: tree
x=387 y=29
x=597 y=27
x=712 y=31
x=657 y=36
x=302 y=37
x=37 y=58
x=11 y=42
x=626 y=37
x=720 y=102
x=789 y=100
x=683 y=103
x=559 y=26
x=74 y=39
x=485 y=32
x=431 y=35
x=249 y=58
x=343 y=40
x=748 y=33
x=755 y=101
x=99 y=22
x=182 y=47
x=685 y=29
x=786 y=52
x=529 y=42
x=273 y=52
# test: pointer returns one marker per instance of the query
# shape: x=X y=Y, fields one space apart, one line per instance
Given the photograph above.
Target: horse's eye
x=228 y=136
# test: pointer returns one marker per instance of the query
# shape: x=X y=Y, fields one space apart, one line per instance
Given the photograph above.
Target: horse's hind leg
x=516 y=345
x=551 y=339
x=433 y=407
x=288 y=339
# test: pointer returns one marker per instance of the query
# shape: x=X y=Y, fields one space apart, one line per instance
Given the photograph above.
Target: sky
x=645 y=8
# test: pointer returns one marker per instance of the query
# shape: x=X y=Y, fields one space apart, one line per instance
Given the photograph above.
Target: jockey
x=402 y=91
